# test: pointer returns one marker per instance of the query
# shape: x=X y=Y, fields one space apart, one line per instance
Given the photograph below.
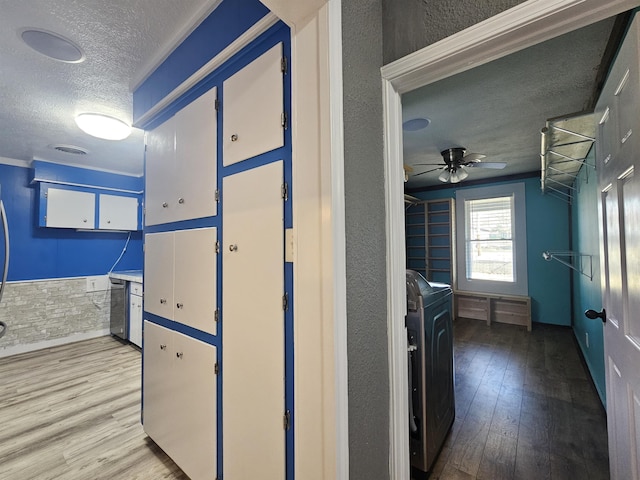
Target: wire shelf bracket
x=580 y=262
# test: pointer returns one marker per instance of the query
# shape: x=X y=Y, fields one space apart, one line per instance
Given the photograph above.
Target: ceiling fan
x=456 y=160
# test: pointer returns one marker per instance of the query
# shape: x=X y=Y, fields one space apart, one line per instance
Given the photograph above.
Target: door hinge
x=216 y=195
x=216 y=315
x=283 y=120
x=216 y=104
x=284 y=191
x=216 y=368
x=217 y=246
x=285 y=302
x=283 y=64
x=286 y=420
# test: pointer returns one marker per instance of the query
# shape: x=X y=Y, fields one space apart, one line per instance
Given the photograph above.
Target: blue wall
x=547 y=229
x=38 y=252
x=587 y=293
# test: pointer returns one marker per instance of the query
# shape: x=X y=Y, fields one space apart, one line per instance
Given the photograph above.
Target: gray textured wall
x=410 y=25
x=366 y=270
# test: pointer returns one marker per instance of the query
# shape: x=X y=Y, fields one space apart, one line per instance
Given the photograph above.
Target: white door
x=195 y=278
x=196 y=140
x=70 y=209
x=618 y=148
x=253 y=108
x=160 y=171
x=158 y=274
x=117 y=212
x=253 y=324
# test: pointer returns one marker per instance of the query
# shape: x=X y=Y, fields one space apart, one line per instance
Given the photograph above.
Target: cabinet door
x=160 y=174
x=158 y=274
x=196 y=140
x=253 y=108
x=195 y=278
x=193 y=445
x=253 y=334
x=70 y=209
x=157 y=391
x=118 y=212
x=135 y=320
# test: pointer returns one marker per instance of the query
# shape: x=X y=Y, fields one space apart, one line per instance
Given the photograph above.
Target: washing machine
x=431 y=370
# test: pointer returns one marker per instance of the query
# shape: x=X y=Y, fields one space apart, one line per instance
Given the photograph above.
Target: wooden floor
x=73 y=412
x=525 y=408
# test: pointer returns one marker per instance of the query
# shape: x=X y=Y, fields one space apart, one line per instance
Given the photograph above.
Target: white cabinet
x=180 y=276
x=158 y=274
x=70 y=208
x=118 y=212
x=253 y=334
x=253 y=108
x=179 y=399
x=135 y=313
x=181 y=164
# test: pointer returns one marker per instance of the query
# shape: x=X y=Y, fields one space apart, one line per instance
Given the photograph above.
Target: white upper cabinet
x=195 y=182
x=118 y=213
x=160 y=173
x=253 y=108
x=181 y=164
x=70 y=209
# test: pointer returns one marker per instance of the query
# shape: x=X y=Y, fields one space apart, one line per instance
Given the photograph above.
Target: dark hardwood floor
x=525 y=408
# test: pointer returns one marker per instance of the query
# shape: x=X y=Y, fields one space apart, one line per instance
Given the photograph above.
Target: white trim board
x=234 y=47
x=527 y=24
x=32 y=347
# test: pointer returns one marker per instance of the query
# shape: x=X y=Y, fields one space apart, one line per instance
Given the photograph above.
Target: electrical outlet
x=586 y=338
x=97 y=283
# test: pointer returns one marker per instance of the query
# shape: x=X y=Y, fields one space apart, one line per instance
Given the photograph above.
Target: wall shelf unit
x=429 y=239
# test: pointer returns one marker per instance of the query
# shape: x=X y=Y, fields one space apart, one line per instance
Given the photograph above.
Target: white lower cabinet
x=135 y=313
x=179 y=399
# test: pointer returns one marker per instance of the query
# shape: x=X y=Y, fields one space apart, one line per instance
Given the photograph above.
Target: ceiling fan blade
x=494 y=165
x=407 y=168
x=430 y=164
x=472 y=157
x=428 y=171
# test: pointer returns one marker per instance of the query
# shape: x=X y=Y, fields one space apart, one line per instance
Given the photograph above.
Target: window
x=491 y=240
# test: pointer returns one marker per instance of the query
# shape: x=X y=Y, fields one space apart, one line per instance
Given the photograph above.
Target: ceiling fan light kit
x=455 y=162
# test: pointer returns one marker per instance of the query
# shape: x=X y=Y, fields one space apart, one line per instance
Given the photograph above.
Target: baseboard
x=31 y=347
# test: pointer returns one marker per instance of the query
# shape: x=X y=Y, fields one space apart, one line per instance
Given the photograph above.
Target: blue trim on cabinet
x=279 y=33
x=65 y=174
x=223 y=26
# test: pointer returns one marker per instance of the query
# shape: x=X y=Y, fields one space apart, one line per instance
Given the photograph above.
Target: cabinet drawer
x=471 y=307
x=135 y=288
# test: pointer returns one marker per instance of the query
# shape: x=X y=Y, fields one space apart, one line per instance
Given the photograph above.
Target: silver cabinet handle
x=163 y=301
x=165 y=204
x=233 y=248
x=234 y=138
x=179 y=355
x=181 y=200
x=179 y=305
x=163 y=347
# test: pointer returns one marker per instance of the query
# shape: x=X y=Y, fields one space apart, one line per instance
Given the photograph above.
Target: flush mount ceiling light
x=52 y=45
x=103 y=126
x=415 y=124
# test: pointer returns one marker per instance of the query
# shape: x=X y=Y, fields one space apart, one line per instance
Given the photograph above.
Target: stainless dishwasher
x=118 y=316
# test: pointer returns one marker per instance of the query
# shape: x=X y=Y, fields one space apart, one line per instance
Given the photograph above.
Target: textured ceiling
x=39 y=97
x=498 y=109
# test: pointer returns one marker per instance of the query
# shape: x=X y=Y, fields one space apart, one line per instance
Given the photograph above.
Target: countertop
x=128 y=275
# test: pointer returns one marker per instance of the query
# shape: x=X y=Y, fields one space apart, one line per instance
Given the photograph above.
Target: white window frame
x=520 y=285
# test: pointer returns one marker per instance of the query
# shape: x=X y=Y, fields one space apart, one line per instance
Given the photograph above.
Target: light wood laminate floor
x=525 y=408
x=73 y=412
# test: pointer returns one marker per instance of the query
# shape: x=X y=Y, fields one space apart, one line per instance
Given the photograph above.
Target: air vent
x=70 y=149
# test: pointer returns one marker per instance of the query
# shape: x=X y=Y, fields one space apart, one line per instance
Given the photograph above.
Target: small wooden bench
x=492 y=307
